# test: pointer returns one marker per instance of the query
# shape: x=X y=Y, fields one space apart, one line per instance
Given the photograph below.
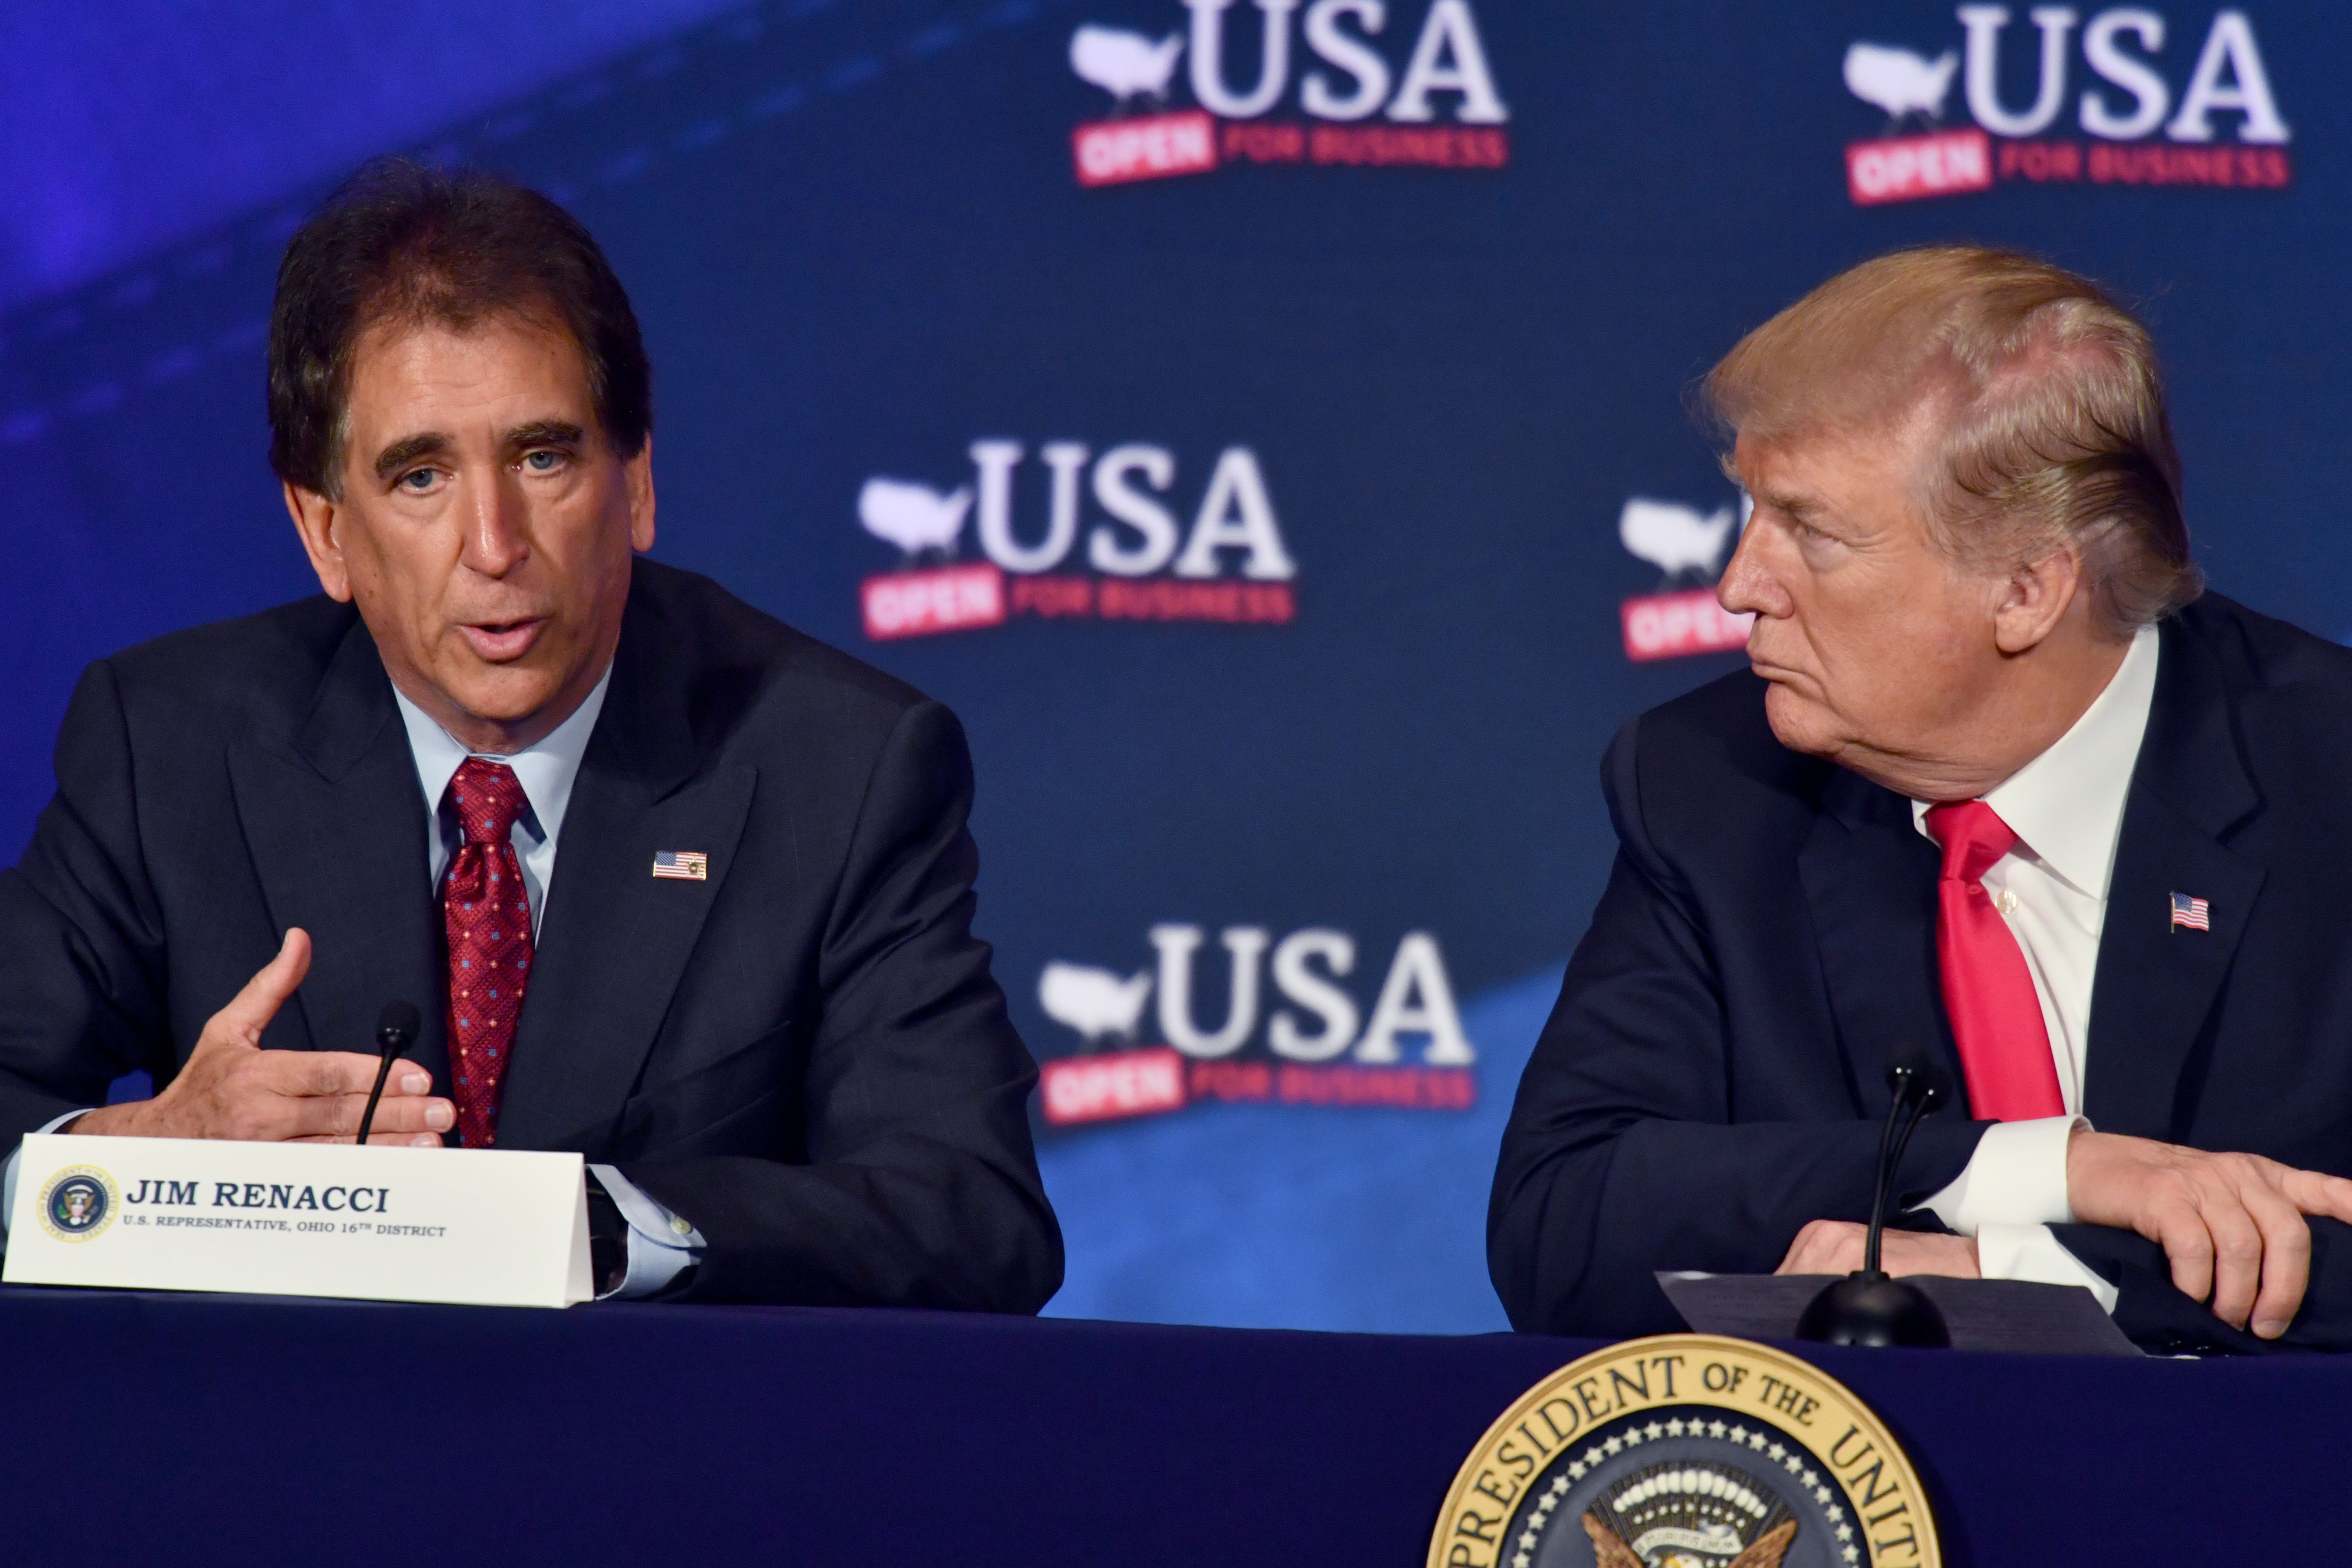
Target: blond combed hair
x=2040 y=401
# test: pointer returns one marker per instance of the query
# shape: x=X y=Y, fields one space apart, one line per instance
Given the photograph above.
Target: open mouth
x=499 y=642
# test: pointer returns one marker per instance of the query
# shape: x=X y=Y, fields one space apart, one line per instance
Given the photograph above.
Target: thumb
x=250 y=1010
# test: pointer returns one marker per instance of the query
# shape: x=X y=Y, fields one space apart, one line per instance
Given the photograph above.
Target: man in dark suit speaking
x=672 y=885
x=2001 y=785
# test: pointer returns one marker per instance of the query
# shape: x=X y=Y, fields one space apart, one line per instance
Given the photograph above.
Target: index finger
x=2314 y=1192
x=339 y=1072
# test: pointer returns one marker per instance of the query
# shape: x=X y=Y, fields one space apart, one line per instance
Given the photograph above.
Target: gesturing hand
x=231 y=1088
x=2231 y=1224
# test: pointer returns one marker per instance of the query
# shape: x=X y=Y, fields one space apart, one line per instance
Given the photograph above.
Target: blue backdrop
x=1232 y=408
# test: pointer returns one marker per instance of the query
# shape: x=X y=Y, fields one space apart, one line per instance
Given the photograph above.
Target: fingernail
x=440 y=1118
x=425 y=1141
x=416 y=1083
x=2269 y=1329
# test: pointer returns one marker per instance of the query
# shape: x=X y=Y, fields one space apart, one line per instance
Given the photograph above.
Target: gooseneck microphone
x=395 y=1031
x=1867 y=1308
x=1919 y=1089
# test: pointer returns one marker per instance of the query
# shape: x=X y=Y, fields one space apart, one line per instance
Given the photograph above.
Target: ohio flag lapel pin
x=693 y=865
x=2187 y=913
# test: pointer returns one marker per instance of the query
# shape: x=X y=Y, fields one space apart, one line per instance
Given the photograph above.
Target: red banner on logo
x=1668 y=626
x=1905 y=168
x=1115 y=1084
x=948 y=599
x=1114 y=151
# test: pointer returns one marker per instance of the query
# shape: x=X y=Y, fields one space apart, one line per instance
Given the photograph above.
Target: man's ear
x=315 y=518
x=2035 y=598
x=640 y=472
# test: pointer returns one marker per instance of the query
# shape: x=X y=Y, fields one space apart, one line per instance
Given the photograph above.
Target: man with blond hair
x=2001 y=784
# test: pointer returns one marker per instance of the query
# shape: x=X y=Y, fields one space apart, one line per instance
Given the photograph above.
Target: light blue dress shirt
x=661 y=1243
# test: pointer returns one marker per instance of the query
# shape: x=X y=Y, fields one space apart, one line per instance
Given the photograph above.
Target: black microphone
x=1919 y=1088
x=395 y=1031
x=1867 y=1308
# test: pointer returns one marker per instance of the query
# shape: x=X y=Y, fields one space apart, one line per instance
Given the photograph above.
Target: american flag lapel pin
x=2191 y=914
x=682 y=866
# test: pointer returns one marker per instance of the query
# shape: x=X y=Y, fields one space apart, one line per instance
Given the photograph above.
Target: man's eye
x=420 y=481
x=543 y=462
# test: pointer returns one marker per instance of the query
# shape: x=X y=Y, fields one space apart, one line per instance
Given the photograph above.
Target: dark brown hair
x=2047 y=412
x=397 y=242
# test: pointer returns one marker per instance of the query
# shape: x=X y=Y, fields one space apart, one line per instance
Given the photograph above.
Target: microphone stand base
x=1872 y=1309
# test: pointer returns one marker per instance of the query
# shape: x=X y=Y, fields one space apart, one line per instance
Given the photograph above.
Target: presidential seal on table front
x=1686 y=1451
x=77 y=1203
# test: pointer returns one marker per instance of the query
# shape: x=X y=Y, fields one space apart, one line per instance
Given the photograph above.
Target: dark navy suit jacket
x=804 y=1055
x=1714 y=1074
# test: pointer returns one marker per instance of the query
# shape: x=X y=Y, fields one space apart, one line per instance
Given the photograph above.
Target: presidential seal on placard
x=1686 y=1451
x=77 y=1203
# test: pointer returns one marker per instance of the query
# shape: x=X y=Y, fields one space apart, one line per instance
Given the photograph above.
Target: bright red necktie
x=1988 y=991
x=488 y=916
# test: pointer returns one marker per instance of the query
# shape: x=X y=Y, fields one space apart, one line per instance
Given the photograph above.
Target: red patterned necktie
x=1988 y=991
x=488 y=916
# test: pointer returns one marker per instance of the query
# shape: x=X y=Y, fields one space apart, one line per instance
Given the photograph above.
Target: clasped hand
x=231 y=1088
x=2232 y=1226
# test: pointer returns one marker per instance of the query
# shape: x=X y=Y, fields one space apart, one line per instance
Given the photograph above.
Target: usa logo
x=1117 y=535
x=1319 y=1046
x=1361 y=97
x=2148 y=113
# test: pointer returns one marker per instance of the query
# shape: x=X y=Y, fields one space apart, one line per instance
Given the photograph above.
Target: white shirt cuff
x=661 y=1243
x=9 y=1170
x=2030 y=1252
x=2016 y=1177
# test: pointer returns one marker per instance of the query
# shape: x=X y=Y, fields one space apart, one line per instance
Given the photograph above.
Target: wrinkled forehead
x=1890 y=450
x=410 y=374
x=511 y=345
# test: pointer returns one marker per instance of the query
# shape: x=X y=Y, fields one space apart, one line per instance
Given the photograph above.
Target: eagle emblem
x=1689 y=1514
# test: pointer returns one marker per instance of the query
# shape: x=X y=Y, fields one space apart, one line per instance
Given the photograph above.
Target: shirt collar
x=545 y=769
x=2066 y=806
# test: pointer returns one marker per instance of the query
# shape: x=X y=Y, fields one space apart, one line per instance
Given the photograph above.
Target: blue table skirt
x=188 y=1429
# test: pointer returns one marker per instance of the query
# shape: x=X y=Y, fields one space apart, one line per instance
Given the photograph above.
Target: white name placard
x=478 y=1227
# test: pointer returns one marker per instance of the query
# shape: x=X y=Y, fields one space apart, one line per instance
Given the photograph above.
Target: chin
x=502 y=696
x=1798 y=724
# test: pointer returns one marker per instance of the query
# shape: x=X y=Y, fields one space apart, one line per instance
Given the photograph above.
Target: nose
x=1748 y=586
x=497 y=541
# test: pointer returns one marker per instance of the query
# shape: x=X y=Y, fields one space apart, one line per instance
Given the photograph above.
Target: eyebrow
x=408 y=450
x=426 y=444
x=544 y=432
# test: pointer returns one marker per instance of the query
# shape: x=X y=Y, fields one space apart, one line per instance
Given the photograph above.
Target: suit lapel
x=615 y=939
x=335 y=826
x=1870 y=884
x=2154 y=987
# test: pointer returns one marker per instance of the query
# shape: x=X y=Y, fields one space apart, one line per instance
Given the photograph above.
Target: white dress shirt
x=2066 y=807
x=661 y=1243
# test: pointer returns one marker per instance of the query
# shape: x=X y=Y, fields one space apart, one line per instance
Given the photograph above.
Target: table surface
x=163 y=1429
